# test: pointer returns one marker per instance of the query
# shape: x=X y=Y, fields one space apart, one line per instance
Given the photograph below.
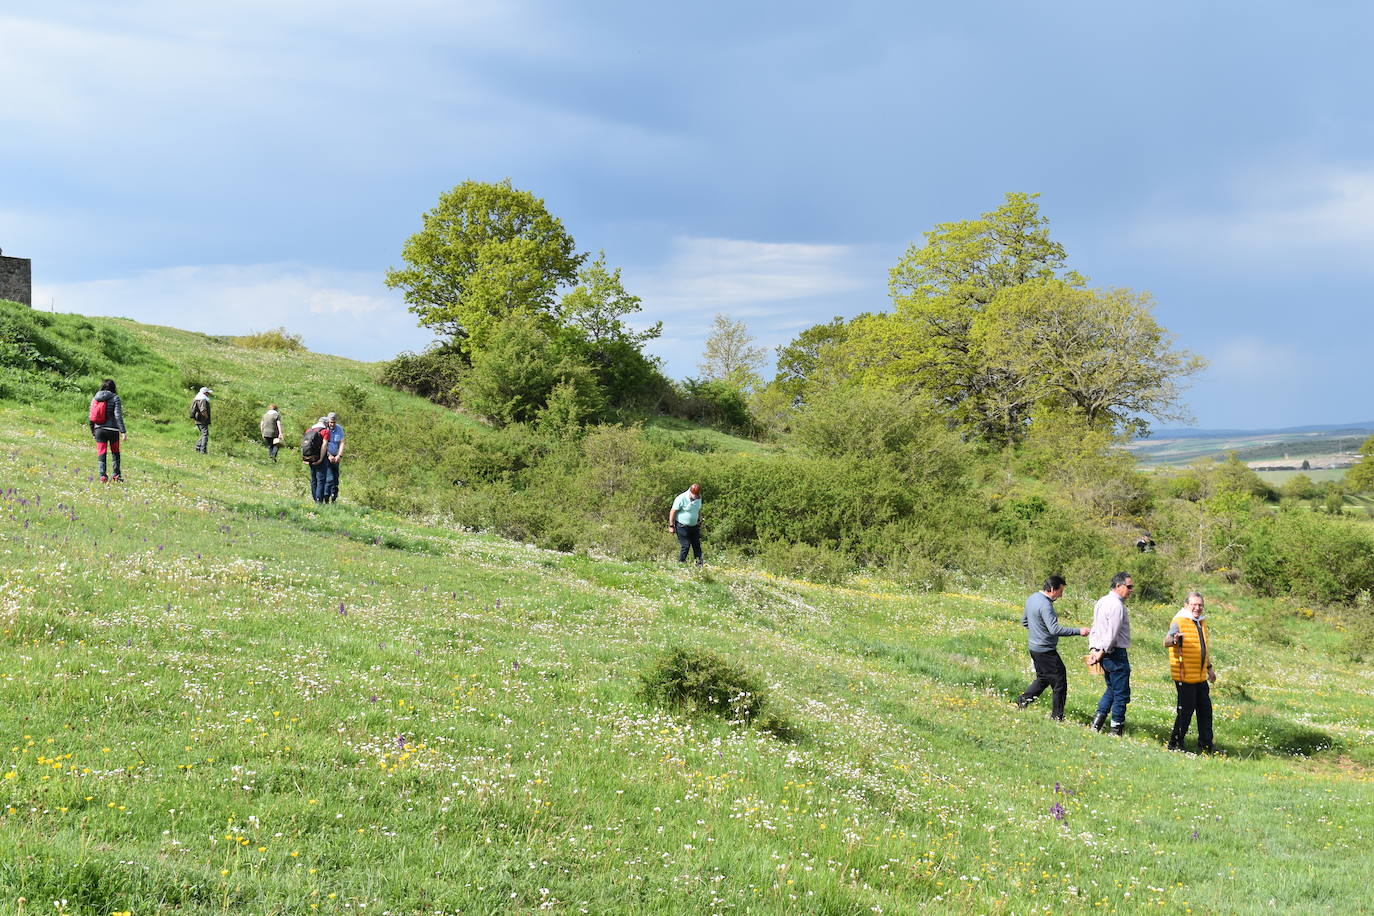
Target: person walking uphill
x=1042 y=637
x=200 y=413
x=331 y=467
x=1190 y=665
x=315 y=453
x=270 y=427
x=1108 y=641
x=684 y=520
x=107 y=427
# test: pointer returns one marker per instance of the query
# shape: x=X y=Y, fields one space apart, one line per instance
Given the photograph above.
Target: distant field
x=1279 y=478
x=1292 y=445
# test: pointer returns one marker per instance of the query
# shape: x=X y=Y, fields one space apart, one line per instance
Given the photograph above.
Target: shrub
x=698 y=681
x=434 y=374
x=710 y=402
x=513 y=377
x=803 y=561
x=273 y=339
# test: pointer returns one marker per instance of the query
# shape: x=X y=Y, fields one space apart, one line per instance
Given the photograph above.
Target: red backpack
x=98 y=410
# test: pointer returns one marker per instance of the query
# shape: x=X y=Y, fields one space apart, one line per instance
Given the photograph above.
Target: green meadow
x=216 y=696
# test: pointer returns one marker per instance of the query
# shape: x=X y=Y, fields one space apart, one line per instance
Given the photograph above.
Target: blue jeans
x=331 y=481
x=1116 y=669
x=319 y=478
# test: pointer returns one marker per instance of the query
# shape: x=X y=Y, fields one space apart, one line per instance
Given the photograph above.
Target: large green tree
x=1099 y=354
x=939 y=290
x=485 y=252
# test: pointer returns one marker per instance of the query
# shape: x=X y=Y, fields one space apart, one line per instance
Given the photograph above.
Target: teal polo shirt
x=688 y=509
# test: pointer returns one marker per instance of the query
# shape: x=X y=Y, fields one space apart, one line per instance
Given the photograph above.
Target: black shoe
x=1059 y=718
x=1022 y=702
x=1174 y=744
x=1099 y=720
x=1206 y=749
x=1118 y=729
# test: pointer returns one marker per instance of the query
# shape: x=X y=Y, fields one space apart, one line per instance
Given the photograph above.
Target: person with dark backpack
x=106 y=419
x=200 y=414
x=315 y=453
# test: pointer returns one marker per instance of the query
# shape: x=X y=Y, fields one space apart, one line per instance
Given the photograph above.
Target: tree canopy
x=485 y=252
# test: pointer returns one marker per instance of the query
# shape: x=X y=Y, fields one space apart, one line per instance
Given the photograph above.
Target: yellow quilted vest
x=1187 y=663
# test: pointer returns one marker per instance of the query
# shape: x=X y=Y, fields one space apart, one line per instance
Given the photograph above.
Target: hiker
x=336 y=448
x=270 y=427
x=1042 y=637
x=684 y=520
x=200 y=413
x=106 y=418
x=1190 y=665
x=1108 y=641
x=315 y=453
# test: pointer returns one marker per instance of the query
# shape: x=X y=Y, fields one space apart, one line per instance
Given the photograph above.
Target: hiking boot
x=1058 y=718
x=1118 y=729
x=1023 y=702
x=1098 y=721
x=119 y=478
x=1174 y=744
x=1206 y=749
x=104 y=479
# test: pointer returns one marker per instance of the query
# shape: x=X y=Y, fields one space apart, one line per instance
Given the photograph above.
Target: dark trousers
x=1193 y=697
x=331 y=481
x=1116 y=669
x=270 y=443
x=203 y=443
x=688 y=538
x=1049 y=673
x=319 y=475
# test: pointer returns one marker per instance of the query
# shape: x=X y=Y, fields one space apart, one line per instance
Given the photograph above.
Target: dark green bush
x=701 y=682
x=803 y=561
x=709 y=402
x=434 y=374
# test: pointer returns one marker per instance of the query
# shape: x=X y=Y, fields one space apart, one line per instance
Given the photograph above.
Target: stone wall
x=16 y=279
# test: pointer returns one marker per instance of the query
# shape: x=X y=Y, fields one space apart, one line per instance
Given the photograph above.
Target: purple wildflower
x=400 y=740
x=1057 y=810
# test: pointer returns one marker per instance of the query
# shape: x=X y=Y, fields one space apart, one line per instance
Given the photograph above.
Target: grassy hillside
x=220 y=697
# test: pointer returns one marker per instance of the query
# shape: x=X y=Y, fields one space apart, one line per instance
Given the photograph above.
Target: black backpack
x=312 y=443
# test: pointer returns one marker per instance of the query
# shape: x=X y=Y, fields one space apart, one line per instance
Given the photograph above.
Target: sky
x=238 y=166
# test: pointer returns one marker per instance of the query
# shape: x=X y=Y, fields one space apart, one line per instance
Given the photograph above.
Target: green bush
x=803 y=561
x=1319 y=558
x=434 y=374
x=274 y=339
x=709 y=402
x=701 y=682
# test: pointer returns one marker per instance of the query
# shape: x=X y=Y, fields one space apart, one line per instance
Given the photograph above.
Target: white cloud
x=343 y=312
x=1279 y=214
x=744 y=278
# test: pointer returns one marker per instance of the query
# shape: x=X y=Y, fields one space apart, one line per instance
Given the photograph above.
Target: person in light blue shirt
x=331 y=465
x=684 y=520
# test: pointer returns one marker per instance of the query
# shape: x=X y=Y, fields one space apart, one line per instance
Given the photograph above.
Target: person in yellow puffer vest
x=1190 y=665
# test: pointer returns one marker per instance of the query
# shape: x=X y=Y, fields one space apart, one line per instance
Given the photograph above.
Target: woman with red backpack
x=107 y=426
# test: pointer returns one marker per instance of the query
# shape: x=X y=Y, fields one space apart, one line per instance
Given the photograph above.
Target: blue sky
x=237 y=166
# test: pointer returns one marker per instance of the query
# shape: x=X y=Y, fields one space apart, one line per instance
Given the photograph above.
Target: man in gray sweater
x=1043 y=632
